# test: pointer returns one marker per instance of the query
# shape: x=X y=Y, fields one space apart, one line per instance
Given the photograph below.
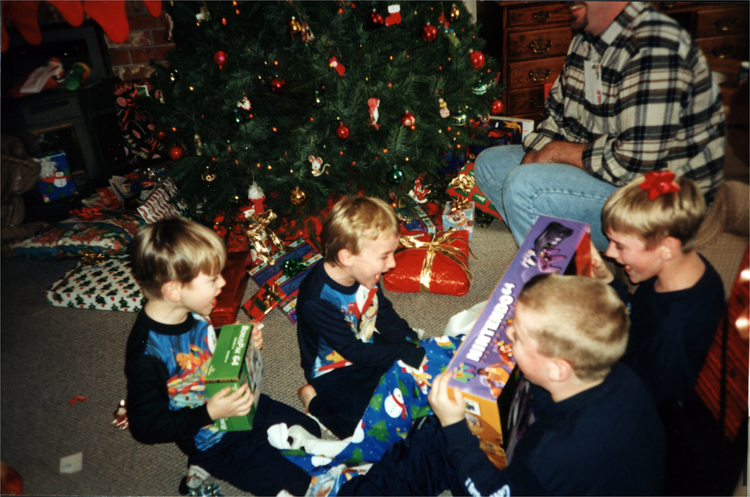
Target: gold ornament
x=298 y=197
x=455 y=13
x=294 y=27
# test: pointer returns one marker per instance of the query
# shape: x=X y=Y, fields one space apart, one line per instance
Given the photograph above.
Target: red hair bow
x=659 y=182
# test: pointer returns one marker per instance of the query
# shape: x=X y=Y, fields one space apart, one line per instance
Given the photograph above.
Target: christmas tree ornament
x=198 y=144
x=480 y=89
x=444 y=111
x=420 y=191
x=373 y=105
x=278 y=85
x=408 y=120
x=307 y=34
x=476 y=59
x=256 y=196
x=375 y=19
x=394 y=15
x=395 y=176
x=429 y=33
x=160 y=135
x=455 y=13
x=174 y=76
x=220 y=58
x=245 y=104
x=342 y=131
x=208 y=176
x=317 y=170
x=294 y=27
x=298 y=197
x=176 y=152
x=460 y=118
x=497 y=107
x=203 y=15
x=446 y=24
x=337 y=66
x=318 y=99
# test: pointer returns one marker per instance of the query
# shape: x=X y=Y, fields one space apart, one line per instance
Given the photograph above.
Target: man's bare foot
x=306 y=393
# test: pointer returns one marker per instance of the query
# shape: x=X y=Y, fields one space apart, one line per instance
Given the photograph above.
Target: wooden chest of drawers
x=534 y=37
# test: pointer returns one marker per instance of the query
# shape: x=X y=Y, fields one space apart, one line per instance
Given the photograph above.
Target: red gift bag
x=432 y=264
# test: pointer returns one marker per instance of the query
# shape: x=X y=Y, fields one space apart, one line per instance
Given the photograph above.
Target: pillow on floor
x=91 y=233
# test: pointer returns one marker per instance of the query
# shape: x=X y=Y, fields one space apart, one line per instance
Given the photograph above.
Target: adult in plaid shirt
x=635 y=95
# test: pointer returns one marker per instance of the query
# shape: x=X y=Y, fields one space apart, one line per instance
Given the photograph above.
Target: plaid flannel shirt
x=660 y=108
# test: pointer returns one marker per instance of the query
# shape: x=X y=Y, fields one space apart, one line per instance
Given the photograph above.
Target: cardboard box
x=483 y=364
x=414 y=218
x=235 y=362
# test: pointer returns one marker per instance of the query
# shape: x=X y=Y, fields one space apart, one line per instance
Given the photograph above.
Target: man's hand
x=448 y=411
x=558 y=152
x=599 y=268
x=227 y=404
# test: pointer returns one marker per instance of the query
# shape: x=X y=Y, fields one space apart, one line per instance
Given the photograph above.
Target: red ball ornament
x=497 y=107
x=408 y=120
x=278 y=85
x=161 y=135
x=176 y=152
x=429 y=33
x=376 y=20
x=220 y=58
x=342 y=131
x=476 y=59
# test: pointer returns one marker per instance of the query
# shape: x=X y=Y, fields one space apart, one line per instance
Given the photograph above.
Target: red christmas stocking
x=110 y=14
x=394 y=15
x=71 y=10
x=154 y=7
x=24 y=16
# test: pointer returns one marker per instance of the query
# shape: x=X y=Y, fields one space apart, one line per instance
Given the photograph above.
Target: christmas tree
x=308 y=101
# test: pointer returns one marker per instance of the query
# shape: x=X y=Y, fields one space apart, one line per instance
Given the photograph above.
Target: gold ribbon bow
x=255 y=237
x=93 y=258
x=272 y=297
x=433 y=247
x=463 y=182
x=460 y=204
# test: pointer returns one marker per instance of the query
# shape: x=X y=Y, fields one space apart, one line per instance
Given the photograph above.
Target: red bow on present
x=659 y=182
x=88 y=212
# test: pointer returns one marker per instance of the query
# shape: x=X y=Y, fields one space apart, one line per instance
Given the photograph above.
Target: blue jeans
x=523 y=193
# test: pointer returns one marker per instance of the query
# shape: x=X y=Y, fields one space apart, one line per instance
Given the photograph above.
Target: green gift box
x=235 y=362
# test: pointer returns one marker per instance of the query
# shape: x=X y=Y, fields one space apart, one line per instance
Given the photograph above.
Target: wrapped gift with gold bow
x=459 y=214
x=285 y=270
x=264 y=301
x=438 y=264
x=465 y=186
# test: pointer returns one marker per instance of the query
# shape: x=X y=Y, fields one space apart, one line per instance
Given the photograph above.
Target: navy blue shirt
x=671 y=332
x=607 y=440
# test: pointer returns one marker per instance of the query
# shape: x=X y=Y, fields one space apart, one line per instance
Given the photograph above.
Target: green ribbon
x=292 y=267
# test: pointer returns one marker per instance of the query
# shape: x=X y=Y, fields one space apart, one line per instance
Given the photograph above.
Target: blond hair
x=578 y=319
x=352 y=219
x=174 y=249
x=677 y=214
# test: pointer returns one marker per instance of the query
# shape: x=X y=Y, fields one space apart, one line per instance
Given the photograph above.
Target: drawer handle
x=539 y=74
x=536 y=103
x=726 y=24
x=723 y=51
x=540 y=45
x=541 y=16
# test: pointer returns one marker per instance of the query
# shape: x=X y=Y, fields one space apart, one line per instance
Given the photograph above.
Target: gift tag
x=593 y=75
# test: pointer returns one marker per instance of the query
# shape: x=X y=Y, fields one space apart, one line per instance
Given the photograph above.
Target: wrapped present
x=160 y=203
x=107 y=286
x=432 y=264
x=264 y=301
x=500 y=131
x=229 y=300
x=465 y=186
x=414 y=218
x=459 y=214
x=55 y=179
x=482 y=367
x=286 y=271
